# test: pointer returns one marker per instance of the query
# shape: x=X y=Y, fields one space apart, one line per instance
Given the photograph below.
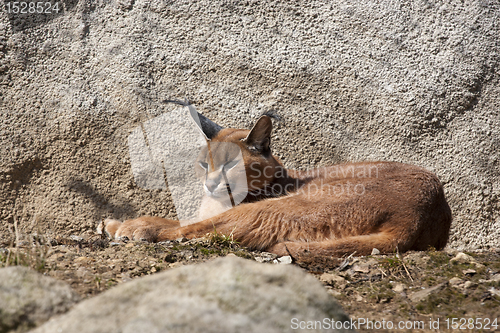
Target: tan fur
x=329 y=211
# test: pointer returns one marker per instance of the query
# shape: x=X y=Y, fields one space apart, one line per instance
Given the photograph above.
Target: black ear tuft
x=260 y=134
x=274 y=115
x=208 y=128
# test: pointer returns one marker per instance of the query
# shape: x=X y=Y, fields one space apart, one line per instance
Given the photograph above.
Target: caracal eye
x=230 y=165
x=203 y=165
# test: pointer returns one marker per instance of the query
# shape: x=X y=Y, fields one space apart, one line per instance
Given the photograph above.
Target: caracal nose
x=211 y=185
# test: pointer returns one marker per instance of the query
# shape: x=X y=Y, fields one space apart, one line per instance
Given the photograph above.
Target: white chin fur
x=224 y=195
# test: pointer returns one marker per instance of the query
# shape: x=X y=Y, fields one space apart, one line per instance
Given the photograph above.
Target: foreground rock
x=28 y=299
x=226 y=295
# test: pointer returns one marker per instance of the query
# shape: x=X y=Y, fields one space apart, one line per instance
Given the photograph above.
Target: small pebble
x=284 y=260
x=399 y=288
x=469 y=284
x=455 y=281
x=463 y=258
x=76 y=238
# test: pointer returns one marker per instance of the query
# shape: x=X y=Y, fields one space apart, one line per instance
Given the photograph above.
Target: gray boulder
x=409 y=81
x=28 y=298
x=226 y=295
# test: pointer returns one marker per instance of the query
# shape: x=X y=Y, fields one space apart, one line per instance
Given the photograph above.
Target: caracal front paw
x=145 y=228
x=108 y=227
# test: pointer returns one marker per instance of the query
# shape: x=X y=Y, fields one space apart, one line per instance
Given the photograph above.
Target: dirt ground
x=383 y=293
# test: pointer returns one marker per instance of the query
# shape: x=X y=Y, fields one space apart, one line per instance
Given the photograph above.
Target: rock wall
x=409 y=81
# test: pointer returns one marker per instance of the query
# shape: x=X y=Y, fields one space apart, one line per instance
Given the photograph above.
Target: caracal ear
x=207 y=128
x=260 y=134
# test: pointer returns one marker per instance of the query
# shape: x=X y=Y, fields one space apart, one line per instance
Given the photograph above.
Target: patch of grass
x=438 y=258
x=382 y=293
x=111 y=283
x=33 y=255
x=170 y=257
x=395 y=268
x=404 y=309
x=449 y=300
x=440 y=262
x=494 y=284
x=430 y=279
x=152 y=249
x=220 y=239
x=243 y=254
x=456 y=269
x=391 y=262
x=209 y=252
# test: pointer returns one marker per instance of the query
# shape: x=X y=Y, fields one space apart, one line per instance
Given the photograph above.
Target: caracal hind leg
x=361 y=245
